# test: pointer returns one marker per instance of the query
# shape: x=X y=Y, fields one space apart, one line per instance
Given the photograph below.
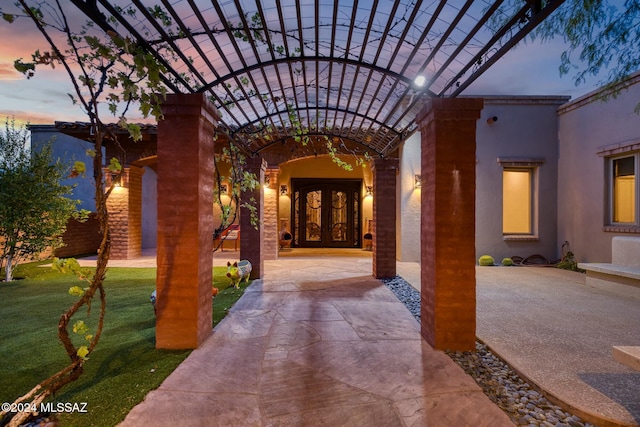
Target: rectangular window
x=623 y=190
x=517 y=201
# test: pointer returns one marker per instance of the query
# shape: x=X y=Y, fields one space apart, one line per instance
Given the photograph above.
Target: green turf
x=125 y=365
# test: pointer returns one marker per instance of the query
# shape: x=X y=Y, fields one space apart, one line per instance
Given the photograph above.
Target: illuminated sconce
x=417 y=181
x=369 y=191
x=223 y=189
x=284 y=190
x=116 y=179
x=267 y=181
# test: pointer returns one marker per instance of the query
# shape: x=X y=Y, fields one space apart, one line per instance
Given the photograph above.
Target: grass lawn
x=125 y=365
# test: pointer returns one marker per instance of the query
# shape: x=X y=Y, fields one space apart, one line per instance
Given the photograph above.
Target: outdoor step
x=627 y=355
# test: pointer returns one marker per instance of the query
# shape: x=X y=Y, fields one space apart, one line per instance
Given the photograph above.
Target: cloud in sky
x=8 y=72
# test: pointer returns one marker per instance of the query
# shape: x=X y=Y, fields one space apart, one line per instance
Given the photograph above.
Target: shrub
x=486 y=260
x=507 y=262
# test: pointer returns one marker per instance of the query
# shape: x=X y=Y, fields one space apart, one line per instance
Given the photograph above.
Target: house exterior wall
x=80 y=238
x=572 y=139
x=149 y=208
x=408 y=236
x=589 y=131
x=69 y=150
x=526 y=129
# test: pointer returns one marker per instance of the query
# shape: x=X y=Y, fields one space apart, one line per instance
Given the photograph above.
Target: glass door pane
x=339 y=220
x=314 y=216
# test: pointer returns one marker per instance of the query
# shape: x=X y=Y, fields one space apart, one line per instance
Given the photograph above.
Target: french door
x=326 y=213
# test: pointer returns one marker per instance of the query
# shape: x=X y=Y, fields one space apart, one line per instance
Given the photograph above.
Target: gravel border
x=524 y=405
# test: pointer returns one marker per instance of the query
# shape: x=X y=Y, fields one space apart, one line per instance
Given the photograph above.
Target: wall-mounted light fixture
x=223 y=189
x=417 y=181
x=267 y=181
x=284 y=190
x=116 y=179
x=369 y=191
x=492 y=119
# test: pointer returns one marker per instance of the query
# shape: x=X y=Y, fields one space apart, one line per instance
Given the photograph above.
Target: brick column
x=185 y=221
x=125 y=214
x=384 y=217
x=252 y=240
x=448 y=280
x=270 y=220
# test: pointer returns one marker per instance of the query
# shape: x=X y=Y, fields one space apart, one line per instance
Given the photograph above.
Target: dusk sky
x=530 y=69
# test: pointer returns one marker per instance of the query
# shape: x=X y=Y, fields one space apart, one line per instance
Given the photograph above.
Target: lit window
x=623 y=189
x=517 y=201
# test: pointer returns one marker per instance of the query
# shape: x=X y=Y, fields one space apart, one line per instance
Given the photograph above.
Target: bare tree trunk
x=8 y=271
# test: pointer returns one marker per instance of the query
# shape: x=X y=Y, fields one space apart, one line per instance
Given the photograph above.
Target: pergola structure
x=272 y=75
x=355 y=70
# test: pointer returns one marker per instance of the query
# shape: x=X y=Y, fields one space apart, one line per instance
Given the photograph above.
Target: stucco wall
x=526 y=128
x=69 y=149
x=408 y=237
x=149 y=208
x=586 y=127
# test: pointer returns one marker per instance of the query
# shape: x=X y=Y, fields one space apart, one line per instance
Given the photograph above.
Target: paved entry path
x=317 y=341
x=558 y=332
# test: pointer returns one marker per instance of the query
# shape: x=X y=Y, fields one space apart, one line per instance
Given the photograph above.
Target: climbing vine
x=104 y=69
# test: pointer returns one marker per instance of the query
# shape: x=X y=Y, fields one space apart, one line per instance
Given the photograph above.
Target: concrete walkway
x=558 y=334
x=316 y=342
x=315 y=329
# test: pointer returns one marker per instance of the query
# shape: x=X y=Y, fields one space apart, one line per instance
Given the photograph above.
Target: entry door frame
x=353 y=189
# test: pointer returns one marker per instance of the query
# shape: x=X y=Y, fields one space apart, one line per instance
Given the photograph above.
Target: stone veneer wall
x=384 y=217
x=448 y=283
x=81 y=237
x=252 y=240
x=125 y=215
x=185 y=221
x=270 y=221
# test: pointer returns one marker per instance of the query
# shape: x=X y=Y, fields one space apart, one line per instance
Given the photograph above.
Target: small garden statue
x=238 y=271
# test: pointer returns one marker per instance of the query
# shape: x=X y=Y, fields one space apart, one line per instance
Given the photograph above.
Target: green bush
x=507 y=262
x=568 y=262
x=486 y=260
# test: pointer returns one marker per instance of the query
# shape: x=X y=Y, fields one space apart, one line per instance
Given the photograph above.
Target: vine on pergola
x=104 y=69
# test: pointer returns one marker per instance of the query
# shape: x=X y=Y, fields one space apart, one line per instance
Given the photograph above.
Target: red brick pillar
x=185 y=221
x=252 y=239
x=448 y=278
x=270 y=219
x=384 y=217
x=125 y=214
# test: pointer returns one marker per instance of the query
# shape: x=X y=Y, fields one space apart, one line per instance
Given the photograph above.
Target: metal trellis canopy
x=357 y=71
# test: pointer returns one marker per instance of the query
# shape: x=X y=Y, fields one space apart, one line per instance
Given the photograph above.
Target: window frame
x=531 y=165
x=610 y=181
